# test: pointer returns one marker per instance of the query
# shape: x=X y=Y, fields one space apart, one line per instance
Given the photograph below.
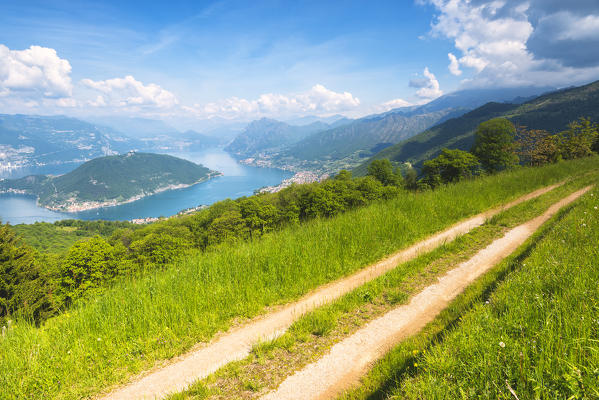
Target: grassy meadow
x=313 y=334
x=528 y=328
x=105 y=339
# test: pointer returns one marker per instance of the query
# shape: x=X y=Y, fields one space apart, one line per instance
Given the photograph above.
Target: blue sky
x=241 y=60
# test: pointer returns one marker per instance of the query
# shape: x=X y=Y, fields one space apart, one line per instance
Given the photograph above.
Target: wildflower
x=415 y=352
x=415 y=365
x=501 y=344
x=99 y=339
x=595 y=207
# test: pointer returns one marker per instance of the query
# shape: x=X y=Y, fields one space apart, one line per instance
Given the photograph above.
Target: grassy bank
x=104 y=340
x=312 y=335
x=536 y=332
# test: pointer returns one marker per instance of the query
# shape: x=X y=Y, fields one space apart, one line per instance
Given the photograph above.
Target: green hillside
x=111 y=179
x=551 y=112
x=107 y=338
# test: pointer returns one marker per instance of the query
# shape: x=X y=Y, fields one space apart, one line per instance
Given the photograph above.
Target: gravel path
x=349 y=359
x=237 y=343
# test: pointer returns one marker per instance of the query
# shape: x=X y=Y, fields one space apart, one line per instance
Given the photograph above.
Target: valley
x=282 y=200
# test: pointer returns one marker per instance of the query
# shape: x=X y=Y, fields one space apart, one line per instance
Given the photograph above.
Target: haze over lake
x=238 y=180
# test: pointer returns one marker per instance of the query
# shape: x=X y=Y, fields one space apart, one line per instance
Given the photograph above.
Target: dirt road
x=349 y=359
x=237 y=343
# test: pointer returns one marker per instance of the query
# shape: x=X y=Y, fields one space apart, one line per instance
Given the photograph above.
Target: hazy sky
x=247 y=59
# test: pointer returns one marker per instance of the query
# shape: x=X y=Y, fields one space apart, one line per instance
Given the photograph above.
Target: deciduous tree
x=494 y=145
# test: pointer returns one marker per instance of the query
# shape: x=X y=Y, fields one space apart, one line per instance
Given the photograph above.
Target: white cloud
x=575 y=28
x=396 y=103
x=429 y=87
x=454 y=65
x=127 y=91
x=66 y=102
x=318 y=100
x=519 y=42
x=34 y=72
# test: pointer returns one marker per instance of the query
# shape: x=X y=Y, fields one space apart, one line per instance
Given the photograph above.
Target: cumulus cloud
x=454 y=65
x=520 y=42
x=127 y=91
x=317 y=100
x=34 y=72
x=428 y=87
x=396 y=103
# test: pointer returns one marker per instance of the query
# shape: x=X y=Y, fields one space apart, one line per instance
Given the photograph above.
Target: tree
x=227 y=227
x=578 y=140
x=382 y=171
x=258 y=214
x=319 y=202
x=17 y=268
x=344 y=175
x=449 y=166
x=158 y=248
x=537 y=147
x=494 y=145
x=89 y=264
x=411 y=179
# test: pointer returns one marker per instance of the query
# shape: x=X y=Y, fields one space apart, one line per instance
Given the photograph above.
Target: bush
x=450 y=166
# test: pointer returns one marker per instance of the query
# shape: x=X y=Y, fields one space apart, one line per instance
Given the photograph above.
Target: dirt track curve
x=325 y=379
x=237 y=343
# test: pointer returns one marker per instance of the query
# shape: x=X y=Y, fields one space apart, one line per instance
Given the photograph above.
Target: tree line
x=500 y=145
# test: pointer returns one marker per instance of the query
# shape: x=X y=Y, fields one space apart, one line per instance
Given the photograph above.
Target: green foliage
x=57 y=237
x=450 y=166
x=89 y=264
x=344 y=175
x=539 y=147
x=16 y=260
x=168 y=310
x=411 y=178
x=21 y=287
x=578 y=140
x=536 y=333
x=494 y=145
x=382 y=171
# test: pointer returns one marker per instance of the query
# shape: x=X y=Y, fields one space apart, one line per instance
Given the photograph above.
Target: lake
x=238 y=180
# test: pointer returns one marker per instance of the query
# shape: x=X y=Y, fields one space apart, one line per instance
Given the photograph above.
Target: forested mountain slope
x=108 y=180
x=552 y=112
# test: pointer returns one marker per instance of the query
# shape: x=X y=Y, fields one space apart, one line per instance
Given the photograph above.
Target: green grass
x=531 y=323
x=104 y=340
x=304 y=341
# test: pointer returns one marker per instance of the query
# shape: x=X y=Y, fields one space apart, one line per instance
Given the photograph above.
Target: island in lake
x=110 y=181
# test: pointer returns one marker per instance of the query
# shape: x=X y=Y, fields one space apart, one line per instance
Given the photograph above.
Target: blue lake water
x=238 y=180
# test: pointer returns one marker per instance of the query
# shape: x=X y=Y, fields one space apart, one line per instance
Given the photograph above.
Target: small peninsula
x=110 y=181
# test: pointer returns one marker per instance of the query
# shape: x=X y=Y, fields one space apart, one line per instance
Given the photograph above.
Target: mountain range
x=346 y=143
x=551 y=111
x=35 y=140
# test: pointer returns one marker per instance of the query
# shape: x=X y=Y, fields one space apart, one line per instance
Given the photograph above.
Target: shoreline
x=92 y=205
